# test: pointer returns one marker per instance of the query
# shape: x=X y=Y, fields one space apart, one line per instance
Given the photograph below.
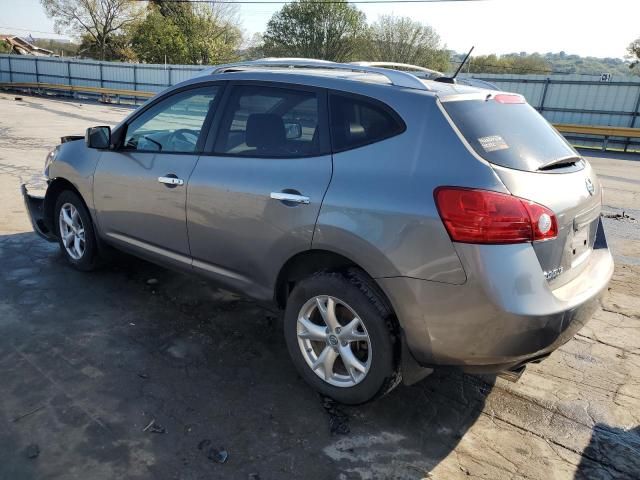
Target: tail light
x=482 y=216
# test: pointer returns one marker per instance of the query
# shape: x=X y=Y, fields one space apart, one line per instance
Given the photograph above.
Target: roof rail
x=396 y=77
x=396 y=65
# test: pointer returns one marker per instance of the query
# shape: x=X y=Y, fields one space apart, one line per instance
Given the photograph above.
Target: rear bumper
x=34 y=205
x=504 y=316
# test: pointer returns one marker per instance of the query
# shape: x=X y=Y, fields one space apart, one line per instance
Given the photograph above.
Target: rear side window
x=356 y=121
x=512 y=135
x=270 y=122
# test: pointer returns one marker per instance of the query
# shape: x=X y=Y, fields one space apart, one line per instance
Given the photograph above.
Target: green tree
x=512 y=63
x=4 y=47
x=157 y=38
x=315 y=29
x=98 y=22
x=403 y=40
x=172 y=9
x=528 y=63
x=634 y=52
x=116 y=47
x=187 y=33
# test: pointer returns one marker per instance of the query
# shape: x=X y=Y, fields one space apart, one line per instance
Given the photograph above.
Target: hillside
x=589 y=65
x=545 y=63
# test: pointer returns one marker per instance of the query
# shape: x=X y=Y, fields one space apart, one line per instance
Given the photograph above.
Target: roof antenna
x=453 y=78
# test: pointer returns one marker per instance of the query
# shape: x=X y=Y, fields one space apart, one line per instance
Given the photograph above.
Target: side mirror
x=98 y=137
x=293 y=131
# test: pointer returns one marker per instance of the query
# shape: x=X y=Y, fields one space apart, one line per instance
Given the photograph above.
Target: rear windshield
x=511 y=135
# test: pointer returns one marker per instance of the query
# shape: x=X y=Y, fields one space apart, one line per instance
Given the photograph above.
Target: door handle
x=171 y=180
x=290 y=197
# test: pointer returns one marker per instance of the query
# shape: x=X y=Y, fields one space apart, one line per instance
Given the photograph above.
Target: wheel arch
x=309 y=262
x=55 y=188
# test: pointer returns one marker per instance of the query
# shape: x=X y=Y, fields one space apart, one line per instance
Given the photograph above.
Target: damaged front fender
x=35 y=208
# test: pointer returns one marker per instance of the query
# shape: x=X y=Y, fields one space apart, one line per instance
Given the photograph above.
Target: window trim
x=363 y=98
x=204 y=132
x=323 y=119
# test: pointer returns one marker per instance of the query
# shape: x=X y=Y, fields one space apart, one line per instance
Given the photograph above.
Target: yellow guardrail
x=79 y=89
x=600 y=131
x=603 y=131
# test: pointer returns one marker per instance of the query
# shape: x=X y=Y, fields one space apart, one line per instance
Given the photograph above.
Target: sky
x=585 y=27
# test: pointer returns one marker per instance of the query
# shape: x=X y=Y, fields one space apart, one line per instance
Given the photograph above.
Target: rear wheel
x=338 y=334
x=75 y=231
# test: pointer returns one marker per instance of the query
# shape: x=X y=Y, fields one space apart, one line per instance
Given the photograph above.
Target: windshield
x=511 y=135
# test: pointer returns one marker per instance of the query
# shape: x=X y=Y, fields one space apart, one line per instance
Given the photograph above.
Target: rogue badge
x=590 y=187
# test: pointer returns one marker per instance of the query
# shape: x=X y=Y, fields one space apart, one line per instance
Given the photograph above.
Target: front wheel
x=340 y=338
x=75 y=231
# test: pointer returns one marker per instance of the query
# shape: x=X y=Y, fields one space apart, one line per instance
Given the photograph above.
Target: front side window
x=270 y=122
x=357 y=121
x=174 y=125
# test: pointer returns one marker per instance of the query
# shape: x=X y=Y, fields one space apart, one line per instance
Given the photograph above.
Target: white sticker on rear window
x=493 y=143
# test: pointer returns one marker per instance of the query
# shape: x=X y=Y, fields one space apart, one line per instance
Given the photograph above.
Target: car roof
x=357 y=77
x=352 y=81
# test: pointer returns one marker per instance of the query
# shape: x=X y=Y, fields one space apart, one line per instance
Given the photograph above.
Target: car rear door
x=140 y=186
x=253 y=200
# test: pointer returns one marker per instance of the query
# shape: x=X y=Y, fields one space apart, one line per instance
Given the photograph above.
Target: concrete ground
x=110 y=375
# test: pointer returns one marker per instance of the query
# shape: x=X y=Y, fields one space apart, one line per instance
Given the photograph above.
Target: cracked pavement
x=87 y=361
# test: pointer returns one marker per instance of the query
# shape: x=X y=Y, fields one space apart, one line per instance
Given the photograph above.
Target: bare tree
x=401 y=39
x=100 y=20
x=634 y=52
x=213 y=33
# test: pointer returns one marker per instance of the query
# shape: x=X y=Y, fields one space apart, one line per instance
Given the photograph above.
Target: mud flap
x=412 y=372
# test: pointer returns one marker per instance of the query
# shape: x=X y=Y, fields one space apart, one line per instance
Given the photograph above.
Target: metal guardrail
x=70 y=71
x=592 y=130
x=78 y=89
x=599 y=131
x=625 y=132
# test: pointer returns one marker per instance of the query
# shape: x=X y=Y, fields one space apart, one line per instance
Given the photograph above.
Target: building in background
x=20 y=46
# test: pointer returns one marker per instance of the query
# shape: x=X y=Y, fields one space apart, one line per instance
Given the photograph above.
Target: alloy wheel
x=334 y=341
x=72 y=231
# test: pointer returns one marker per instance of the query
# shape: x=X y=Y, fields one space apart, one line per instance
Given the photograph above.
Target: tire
x=353 y=297
x=88 y=258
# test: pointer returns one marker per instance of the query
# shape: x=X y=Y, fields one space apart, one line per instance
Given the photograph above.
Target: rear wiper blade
x=560 y=163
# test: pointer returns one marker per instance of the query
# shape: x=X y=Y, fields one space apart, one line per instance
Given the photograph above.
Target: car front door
x=140 y=186
x=254 y=199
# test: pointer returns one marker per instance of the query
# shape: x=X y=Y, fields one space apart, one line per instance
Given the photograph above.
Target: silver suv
x=402 y=224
